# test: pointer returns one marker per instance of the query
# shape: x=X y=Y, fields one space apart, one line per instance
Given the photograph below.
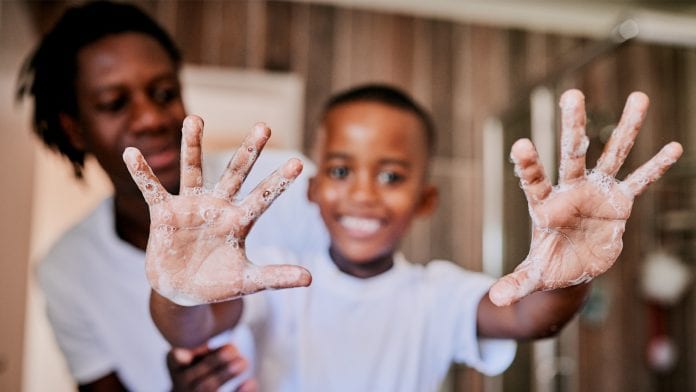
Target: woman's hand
x=195 y=252
x=205 y=369
x=578 y=224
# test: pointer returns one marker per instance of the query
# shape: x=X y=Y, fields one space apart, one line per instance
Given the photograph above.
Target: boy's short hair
x=49 y=73
x=390 y=96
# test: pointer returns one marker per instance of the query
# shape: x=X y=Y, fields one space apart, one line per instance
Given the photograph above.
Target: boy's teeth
x=360 y=224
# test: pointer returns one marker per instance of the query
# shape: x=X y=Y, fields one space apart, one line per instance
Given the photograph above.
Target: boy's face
x=128 y=94
x=371 y=180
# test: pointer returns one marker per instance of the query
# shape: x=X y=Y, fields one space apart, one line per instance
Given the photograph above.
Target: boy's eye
x=338 y=172
x=389 y=177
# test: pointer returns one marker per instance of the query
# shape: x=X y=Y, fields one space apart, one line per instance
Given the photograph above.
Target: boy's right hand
x=195 y=252
x=578 y=225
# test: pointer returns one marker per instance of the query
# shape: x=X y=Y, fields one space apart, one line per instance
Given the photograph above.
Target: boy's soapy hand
x=578 y=224
x=195 y=252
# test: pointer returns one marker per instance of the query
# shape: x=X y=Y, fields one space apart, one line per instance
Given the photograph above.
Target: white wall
x=39 y=200
x=16 y=162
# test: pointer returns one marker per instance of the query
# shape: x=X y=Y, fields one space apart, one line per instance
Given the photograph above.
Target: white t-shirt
x=97 y=294
x=398 y=331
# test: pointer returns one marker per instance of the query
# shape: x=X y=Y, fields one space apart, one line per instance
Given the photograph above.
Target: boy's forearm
x=545 y=313
x=538 y=315
x=191 y=326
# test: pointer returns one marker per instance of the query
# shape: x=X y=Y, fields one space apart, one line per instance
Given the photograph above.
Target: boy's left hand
x=578 y=225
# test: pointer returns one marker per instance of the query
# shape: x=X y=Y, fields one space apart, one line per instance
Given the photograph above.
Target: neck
x=362 y=270
x=132 y=219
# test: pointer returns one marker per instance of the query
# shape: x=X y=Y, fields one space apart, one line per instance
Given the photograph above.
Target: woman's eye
x=164 y=96
x=113 y=105
x=388 y=177
x=338 y=172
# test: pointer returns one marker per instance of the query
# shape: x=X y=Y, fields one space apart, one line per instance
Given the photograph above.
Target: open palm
x=195 y=252
x=578 y=225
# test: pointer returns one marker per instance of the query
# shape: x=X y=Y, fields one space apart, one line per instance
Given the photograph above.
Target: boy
x=370 y=320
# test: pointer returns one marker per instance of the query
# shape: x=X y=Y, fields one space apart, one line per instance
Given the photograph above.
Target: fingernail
x=570 y=99
x=238 y=366
x=249 y=386
x=260 y=129
x=130 y=154
x=193 y=121
x=182 y=356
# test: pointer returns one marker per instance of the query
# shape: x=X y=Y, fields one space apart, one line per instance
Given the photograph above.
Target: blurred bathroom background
x=490 y=72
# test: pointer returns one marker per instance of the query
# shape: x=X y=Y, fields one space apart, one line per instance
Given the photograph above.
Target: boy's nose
x=363 y=189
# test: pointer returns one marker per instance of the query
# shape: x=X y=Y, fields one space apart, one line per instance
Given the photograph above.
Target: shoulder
x=270 y=255
x=271 y=159
x=444 y=269
x=268 y=160
x=67 y=255
x=447 y=277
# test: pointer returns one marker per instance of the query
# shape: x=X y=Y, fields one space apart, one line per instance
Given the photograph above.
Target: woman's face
x=128 y=94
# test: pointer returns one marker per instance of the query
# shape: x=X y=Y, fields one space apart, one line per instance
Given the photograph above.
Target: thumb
x=182 y=356
x=275 y=277
x=250 y=385
x=514 y=286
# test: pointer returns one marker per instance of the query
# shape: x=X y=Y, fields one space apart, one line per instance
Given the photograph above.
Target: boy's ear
x=428 y=202
x=72 y=131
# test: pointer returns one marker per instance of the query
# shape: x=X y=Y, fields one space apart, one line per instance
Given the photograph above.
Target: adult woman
x=103 y=78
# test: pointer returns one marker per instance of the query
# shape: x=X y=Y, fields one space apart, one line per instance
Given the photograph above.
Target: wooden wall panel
x=233 y=40
x=279 y=30
x=320 y=64
x=601 y=90
x=441 y=78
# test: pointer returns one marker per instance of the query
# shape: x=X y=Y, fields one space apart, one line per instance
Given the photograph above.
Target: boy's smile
x=359 y=226
x=371 y=182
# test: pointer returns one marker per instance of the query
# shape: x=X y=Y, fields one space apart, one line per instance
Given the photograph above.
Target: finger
x=275 y=277
x=191 y=172
x=574 y=141
x=621 y=140
x=178 y=357
x=528 y=168
x=515 y=286
x=270 y=188
x=248 y=386
x=142 y=174
x=208 y=364
x=221 y=375
x=653 y=169
x=242 y=162
x=177 y=362
x=184 y=356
